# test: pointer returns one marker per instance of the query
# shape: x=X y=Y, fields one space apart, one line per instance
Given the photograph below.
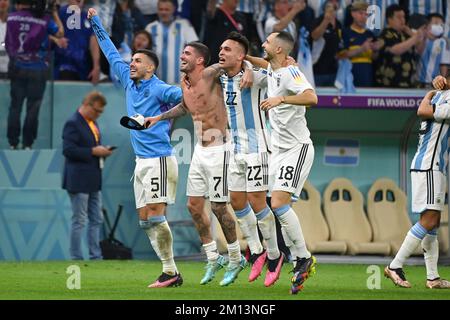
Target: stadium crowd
x=389 y=43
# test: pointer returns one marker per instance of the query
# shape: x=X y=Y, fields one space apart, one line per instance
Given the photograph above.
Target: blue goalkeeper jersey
x=148 y=97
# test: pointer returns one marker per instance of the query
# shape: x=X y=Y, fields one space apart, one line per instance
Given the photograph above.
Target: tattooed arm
x=177 y=111
x=215 y=71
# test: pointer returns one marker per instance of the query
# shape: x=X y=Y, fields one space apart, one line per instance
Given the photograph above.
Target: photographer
x=26 y=43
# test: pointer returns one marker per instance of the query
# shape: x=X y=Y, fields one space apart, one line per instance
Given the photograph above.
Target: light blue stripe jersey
x=432 y=150
x=245 y=119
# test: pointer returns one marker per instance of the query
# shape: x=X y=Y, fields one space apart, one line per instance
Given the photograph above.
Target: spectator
x=148 y=9
x=377 y=14
x=435 y=58
x=327 y=42
x=169 y=36
x=360 y=45
x=220 y=22
x=126 y=21
x=4 y=60
x=319 y=7
x=249 y=9
x=264 y=8
x=84 y=155
x=197 y=16
x=396 y=66
x=283 y=16
x=142 y=40
x=80 y=47
x=447 y=23
x=106 y=9
x=26 y=43
x=426 y=7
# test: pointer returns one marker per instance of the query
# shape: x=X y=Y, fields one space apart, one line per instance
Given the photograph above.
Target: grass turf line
x=129 y=280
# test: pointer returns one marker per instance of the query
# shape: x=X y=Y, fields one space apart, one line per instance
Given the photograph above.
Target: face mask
x=437 y=30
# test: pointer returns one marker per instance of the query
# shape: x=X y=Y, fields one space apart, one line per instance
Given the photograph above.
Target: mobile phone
x=112 y=148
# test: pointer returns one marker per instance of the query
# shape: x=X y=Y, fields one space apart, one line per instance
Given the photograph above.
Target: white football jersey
x=247 y=122
x=168 y=43
x=288 y=122
x=432 y=150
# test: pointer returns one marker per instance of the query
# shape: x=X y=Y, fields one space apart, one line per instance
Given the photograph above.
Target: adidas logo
x=285 y=184
x=217 y=195
x=155 y=196
x=258 y=184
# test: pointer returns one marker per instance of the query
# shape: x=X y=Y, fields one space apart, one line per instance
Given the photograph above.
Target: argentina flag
x=304 y=58
x=341 y=152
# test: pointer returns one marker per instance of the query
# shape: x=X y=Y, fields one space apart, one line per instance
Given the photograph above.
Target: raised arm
x=120 y=68
x=426 y=110
x=177 y=111
x=257 y=62
x=215 y=71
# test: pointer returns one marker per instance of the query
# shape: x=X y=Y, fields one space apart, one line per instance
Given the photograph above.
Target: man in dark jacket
x=82 y=177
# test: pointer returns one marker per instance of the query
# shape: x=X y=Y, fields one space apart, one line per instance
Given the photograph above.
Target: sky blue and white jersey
x=435 y=54
x=432 y=150
x=149 y=98
x=426 y=7
x=447 y=22
x=247 y=122
x=246 y=6
x=105 y=10
x=168 y=43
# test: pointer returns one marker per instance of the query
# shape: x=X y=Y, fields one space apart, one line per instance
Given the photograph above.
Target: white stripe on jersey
x=246 y=120
x=447 y=23
x=288 y=122
x=435 y=54
x=105 y=9
x=168 y=43
x=247 y=6
x=432 y=150
x=426 y=7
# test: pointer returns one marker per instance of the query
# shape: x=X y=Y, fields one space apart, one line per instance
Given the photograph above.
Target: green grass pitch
x=129 y=280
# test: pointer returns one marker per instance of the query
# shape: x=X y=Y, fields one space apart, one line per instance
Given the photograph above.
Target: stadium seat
x=217 y=232
x=443 y=231
x=343 y=207
x=314 y=226
x=388 y=214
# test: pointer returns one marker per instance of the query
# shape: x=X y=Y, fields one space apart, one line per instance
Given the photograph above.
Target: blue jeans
x=86 y=206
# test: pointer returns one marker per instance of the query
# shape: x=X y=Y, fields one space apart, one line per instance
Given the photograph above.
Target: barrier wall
x=360 y=144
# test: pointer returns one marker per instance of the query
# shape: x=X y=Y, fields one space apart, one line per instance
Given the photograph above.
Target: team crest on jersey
x=296 y=75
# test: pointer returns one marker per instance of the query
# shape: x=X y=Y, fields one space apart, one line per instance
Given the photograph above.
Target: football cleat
x=258 y=261
x=438 y=284
x=304 y=268
x=273 y=270
x=212 y=268
x=166 y=280
x=397 y=276
x=232 y=272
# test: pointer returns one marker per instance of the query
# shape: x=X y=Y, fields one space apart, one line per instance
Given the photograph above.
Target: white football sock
x=292 y=229
x=160 y=235
x=430 y=247
x=409 y=245
x=248 y=225
x=234 y=252
x=266 y=223
x=211 y=251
